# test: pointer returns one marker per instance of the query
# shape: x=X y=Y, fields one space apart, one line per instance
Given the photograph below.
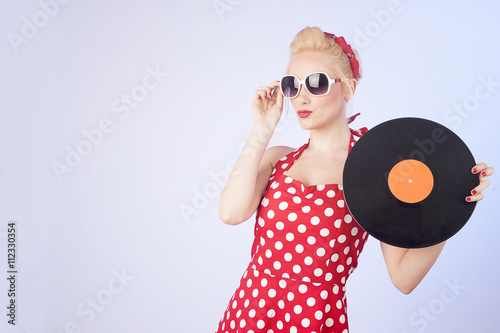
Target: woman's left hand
x=484 y=172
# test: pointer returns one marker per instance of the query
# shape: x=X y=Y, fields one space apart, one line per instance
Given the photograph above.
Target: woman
x=306 y=242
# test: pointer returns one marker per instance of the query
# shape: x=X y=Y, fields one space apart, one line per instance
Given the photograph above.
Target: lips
x=303 y=113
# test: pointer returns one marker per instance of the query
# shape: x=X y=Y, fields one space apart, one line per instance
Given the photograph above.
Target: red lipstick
x=303 y=113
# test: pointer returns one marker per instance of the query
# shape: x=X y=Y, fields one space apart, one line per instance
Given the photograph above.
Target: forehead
x=305 y=63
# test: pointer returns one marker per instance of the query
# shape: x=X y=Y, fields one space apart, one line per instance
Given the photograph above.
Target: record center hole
x=410 y=181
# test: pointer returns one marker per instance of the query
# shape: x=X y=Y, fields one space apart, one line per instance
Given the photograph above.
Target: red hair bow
x=348 y=51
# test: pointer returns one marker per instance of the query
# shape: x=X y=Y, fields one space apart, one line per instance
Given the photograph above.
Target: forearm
x=238 y=199
x=408 y=267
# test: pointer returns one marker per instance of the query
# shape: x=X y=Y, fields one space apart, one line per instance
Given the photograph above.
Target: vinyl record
x=405 y=182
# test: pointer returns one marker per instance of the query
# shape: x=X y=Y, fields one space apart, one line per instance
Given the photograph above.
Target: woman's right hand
x=267 y=104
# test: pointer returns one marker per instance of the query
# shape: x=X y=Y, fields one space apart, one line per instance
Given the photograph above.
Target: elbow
x=230 y=218
x=403 y=286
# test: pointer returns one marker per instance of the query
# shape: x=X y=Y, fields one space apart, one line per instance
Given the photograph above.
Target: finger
x=481 y=187
x=479 y=168
x=475 y=198
x=487 y=172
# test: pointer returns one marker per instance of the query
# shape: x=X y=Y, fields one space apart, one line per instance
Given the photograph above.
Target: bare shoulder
x=274 y=154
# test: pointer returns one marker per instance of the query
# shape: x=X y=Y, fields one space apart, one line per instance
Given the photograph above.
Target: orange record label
x=410 y=181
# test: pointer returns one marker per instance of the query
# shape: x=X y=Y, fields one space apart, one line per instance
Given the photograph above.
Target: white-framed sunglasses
x=317 y=84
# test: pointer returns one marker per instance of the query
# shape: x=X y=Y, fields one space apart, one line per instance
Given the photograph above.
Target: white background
x=143 y=201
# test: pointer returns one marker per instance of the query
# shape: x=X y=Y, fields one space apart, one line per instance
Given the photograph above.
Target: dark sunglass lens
x=289 y=86
x=317 y=83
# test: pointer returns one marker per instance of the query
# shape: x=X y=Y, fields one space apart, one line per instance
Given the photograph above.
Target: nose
x=303 y=97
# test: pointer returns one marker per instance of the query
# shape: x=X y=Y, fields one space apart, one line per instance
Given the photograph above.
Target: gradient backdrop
x=122 y=119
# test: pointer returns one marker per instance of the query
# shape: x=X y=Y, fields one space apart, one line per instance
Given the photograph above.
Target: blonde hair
x=313 y=39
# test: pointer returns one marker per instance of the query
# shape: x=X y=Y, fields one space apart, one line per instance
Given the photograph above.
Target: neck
x=333 y=138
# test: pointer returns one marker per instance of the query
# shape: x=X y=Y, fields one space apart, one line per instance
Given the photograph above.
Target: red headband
x=348 y=51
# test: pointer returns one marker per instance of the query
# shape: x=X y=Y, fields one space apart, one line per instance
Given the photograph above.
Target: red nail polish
x=483 y=173
x=474 y=170
x=474 y=192
x=468 y=199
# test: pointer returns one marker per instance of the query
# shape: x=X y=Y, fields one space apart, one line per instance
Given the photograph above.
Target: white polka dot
x=290 y=296
x=349 y=261
x=318 y=202
x=296 y=269
x=269 y=254
x=261 y=324
x=289 y=237
x=233 y=324
x=346 y=250
x=302 y=288
x=262 y=241
x=249 y=283
x=281 y=304
x=270 y=234
x=365 y=234
x=282 y=284
x=329 y=322
x=271 y=313
x=278 y=245
x=332 y=243
x=247 y=302
x=320 y=252
x=297 y=309
x=270 y=214
x=335 y=289
x=279 y=324
x=329 y=211
x=318 y=315
x=291 y=190
x=306 y=209
x=328 y=276
x=340 y=203
x=277 y=194
x=261 y=221
x=342 y=319
x=324 y=294
x=301 y=228
x=320 y=187
x=283 y=205
x=265 y=202
x=263 y=282
x=335 y=257
x=284 y=158
x=330 y=193
x=242 y=323
x=280 y=225
x=305 y=322
x=275 y=185
x=251 y=313
x=297 y=200
x=341 y=187
x=327 y=308
x=354 y=231
x=292 y=217
x=284 y=165
x=337 y=223
x=348 y=218
x=306 y=279
x=342 y=238
x=255 y=292
x=262 y=303
x=288 y=256
x=277 y=265
x=272 y=293
x=242 y=293
x=308 y=261
x=340 y=268
x=311 y=240
x=315 y=220
x=260 y=261
x=324 y=232
x=311 y=301
x=288 y=180
x=309 y=196
x=356 y=243
x=299 y=248
x=318 y=272
x=339 y=304
x=293 y=329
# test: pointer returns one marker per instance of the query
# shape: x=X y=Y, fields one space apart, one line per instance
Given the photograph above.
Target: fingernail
x=468 y=199
x=483 y=173
x=474 y=192
x=474 y=170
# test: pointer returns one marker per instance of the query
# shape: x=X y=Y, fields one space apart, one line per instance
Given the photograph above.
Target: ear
x=352 y=84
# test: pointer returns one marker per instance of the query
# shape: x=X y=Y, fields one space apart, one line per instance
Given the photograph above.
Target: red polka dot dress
x=306 y=246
